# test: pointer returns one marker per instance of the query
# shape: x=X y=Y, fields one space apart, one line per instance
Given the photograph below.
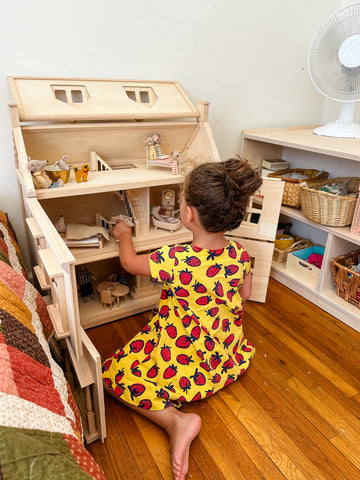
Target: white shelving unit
x=340 y=157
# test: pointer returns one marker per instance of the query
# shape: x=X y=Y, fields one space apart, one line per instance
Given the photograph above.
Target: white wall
x=248 y=58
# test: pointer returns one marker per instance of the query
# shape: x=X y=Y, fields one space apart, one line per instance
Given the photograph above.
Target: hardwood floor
x=295 y=414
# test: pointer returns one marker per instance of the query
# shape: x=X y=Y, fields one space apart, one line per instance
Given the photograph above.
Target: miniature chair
x=107 y=299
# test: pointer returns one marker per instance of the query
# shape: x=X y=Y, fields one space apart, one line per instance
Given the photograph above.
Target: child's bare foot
x=181 y=427
x=185 y=430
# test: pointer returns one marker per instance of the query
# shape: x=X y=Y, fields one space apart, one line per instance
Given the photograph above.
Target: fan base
x=339 y=130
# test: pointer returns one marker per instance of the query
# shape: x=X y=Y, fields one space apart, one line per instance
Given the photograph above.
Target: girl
x=194 y=345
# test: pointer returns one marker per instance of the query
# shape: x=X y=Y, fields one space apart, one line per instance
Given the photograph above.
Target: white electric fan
x=334 y=66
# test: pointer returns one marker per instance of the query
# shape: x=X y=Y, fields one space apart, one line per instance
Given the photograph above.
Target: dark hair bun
x=220 y=191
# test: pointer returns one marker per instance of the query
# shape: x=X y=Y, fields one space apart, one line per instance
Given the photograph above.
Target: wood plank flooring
x=294 y=415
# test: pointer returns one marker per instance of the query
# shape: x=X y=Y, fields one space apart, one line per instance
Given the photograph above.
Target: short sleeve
x=162 y=264
x=244 y=259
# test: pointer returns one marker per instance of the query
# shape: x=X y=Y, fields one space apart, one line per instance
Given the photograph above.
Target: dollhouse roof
x=70 y=99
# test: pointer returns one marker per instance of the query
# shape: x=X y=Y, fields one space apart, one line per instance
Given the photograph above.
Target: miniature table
x=116 y=289
x=104 y=286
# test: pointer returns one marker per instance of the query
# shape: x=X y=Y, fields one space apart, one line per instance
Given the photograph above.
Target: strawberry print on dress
x=195 y=344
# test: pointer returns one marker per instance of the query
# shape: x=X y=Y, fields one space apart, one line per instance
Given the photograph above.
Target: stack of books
x=270 y=166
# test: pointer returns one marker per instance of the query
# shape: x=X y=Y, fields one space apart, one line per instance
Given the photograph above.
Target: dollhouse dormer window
x=143 y=95
x=71 y=94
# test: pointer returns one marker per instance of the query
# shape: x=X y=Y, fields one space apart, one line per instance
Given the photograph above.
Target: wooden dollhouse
x=102 y=123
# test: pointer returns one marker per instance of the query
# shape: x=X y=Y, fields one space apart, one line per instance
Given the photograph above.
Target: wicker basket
x=300 y=243
x=291 y=195
x=326 y=208
x=346 y=280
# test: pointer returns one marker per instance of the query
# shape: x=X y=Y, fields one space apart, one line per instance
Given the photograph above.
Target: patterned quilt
x=40 y=426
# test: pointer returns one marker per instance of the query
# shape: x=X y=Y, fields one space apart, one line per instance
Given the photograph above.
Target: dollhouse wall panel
x=265 y=205
x=201 y=147
x=115 y=144
x=61 y=260
x=261 y=255
x=82 y=208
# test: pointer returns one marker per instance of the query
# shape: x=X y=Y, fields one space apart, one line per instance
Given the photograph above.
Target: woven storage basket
x=291 y=195
x=300 y=243
x=326 y=208
x=346 y=280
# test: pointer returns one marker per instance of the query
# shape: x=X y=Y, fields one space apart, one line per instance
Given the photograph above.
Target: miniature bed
x=41 y=433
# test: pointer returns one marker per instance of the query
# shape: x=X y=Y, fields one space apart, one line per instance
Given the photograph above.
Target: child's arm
x=130 y=260
x=246 y=287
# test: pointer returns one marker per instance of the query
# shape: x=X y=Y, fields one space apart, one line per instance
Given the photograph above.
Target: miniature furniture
x=119 y=291
x=116 y=290
x=340 y=157
x=106 y=298
x=102 y=123
x=104 y=286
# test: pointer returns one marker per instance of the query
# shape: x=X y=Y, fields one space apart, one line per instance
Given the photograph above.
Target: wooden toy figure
x=150 y=148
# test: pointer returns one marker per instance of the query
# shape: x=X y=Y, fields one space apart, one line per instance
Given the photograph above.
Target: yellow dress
x=194 y=345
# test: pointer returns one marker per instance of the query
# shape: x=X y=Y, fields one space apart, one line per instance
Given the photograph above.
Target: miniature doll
x=83 y=278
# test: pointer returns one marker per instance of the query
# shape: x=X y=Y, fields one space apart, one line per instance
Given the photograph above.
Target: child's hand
x=121 y=230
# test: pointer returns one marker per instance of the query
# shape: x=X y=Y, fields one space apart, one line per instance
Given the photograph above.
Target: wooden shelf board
x=93 y=313
x=40 y=275
x=112 y=181
x=50 y=262
x=34 y=228
x=303 y=138
x=156 y=238
x=342 y=232
x=56 y=321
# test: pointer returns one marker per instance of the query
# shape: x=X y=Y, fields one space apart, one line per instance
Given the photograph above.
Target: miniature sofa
x=40 y=427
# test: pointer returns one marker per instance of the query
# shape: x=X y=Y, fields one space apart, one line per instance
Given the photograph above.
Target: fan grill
x=330 y=77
